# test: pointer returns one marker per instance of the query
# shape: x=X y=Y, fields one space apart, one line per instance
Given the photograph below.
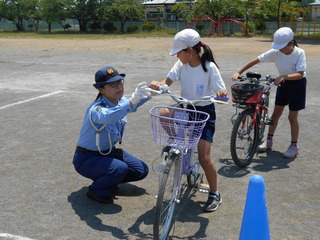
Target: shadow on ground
x=269 y=161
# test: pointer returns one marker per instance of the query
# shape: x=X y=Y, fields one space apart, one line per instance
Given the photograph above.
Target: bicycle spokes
x=243 y=139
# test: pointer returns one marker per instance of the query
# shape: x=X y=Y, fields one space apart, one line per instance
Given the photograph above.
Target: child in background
x=290 y=61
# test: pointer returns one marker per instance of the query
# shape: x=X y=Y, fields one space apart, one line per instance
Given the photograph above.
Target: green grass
x=156 y=33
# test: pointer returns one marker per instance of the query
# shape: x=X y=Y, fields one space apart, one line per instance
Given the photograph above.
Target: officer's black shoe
x=92 y=195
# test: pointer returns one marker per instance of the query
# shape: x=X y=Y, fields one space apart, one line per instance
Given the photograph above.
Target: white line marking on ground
x=15 y=237
x=30 y=99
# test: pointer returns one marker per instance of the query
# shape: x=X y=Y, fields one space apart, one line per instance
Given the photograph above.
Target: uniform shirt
x=286 y=64
x=195 y=82
x=105 y=112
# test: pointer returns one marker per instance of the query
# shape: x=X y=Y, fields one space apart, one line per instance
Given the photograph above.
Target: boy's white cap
x=185 y=39
x=282 y=37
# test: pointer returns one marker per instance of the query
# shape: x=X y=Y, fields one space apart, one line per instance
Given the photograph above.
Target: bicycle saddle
x=253 y=75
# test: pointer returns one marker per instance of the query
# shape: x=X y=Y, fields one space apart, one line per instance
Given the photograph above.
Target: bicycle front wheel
x=244 y=139
x=194 y=175
x=167 y=196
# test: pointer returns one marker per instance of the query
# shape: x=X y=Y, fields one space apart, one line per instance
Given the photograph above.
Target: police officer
x=96 y=156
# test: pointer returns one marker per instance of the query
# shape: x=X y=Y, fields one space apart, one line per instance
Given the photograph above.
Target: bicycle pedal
x=269 y=122
x=203 y=188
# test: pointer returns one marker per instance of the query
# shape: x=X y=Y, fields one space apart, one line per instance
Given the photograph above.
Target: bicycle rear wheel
x=167 y=196
x=244 y=141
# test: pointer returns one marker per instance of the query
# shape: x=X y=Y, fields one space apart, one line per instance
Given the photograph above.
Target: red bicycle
x=251 y=100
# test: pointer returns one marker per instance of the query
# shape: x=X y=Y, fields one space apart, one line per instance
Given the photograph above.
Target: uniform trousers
x=107 y=171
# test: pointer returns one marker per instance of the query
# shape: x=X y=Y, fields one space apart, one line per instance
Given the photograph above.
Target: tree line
x=97 y=11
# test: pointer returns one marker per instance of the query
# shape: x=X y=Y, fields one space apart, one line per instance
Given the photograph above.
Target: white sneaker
x=266 y=145
x=292 y=151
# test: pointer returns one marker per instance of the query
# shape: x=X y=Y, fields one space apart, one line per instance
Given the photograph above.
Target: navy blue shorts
x=292 y=93
x=209 y=128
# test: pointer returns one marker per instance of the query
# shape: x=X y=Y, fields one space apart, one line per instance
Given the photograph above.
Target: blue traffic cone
x=255 y=223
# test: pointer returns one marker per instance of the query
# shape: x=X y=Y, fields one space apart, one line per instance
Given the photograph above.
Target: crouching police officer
x=96 y=156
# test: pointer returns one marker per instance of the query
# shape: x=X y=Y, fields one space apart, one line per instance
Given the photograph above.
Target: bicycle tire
x=194 y=173
x=243 y=143
x=166 y=199
x=262 y=118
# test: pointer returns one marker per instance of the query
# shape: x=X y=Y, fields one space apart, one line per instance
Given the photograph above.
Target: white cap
x=185 y=39
x=282 y=37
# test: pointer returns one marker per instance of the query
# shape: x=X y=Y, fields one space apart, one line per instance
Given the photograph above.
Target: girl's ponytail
x=205 y=54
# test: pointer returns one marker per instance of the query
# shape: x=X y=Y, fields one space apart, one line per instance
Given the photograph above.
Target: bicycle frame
x=257 y=108
x=179 y=159
x=187 y=157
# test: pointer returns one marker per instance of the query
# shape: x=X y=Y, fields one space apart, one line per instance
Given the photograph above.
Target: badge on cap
x=110 y=71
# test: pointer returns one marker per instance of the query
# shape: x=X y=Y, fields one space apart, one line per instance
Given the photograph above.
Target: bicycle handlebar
x=180 y=100
x=256 y=78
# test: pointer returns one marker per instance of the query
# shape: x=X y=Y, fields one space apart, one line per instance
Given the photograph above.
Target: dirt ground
x=45 y=88
x=233 y=46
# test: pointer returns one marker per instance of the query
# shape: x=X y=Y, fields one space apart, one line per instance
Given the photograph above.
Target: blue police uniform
x=96 y=156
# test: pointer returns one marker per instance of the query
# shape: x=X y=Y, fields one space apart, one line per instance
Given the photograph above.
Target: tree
x=52 y=11
x=218 y=9
x=184 y=9
x=266 y=10
x=2 y=9
x=84 y=11
x=17 y=11
x=36 y=14
x=124 y=10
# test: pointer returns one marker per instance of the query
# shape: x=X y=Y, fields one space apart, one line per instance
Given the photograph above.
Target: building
x=315 y=9
x=162 y=9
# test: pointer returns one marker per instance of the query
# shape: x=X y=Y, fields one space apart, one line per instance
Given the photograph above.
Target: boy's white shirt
x=286 y=64
x=195 y=82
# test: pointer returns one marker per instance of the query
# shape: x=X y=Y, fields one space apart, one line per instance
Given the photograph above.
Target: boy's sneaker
x=266 y=145
x=292 y=151
x=214 y=201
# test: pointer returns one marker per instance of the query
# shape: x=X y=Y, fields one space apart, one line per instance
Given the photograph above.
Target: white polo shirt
x=196 y=83
x=286 y=64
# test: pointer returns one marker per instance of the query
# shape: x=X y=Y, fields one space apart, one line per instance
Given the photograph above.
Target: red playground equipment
x=217 y=24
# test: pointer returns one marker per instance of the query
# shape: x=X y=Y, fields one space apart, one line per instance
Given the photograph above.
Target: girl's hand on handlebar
x=222 y=96
x=156 y=88
x=222 y=93
x=155 y=85
x=235 y=76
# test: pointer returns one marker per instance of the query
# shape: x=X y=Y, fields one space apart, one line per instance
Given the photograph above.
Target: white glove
x=141 y=92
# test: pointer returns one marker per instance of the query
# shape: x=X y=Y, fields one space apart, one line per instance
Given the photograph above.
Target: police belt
x=81 y=149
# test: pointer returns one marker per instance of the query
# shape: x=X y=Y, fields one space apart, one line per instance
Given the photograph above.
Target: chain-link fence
x=301 y=25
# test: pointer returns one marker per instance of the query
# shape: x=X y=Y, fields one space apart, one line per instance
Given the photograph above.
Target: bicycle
x=180 y=133
x=249 y=124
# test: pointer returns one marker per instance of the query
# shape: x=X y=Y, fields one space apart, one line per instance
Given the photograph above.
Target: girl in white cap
x=290 y=61
x=198 y=74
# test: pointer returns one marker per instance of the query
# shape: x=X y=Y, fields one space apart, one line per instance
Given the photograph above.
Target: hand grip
x=222 y=98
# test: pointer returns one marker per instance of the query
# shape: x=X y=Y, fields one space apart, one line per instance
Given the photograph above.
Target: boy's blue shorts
x=292 y=93
x=209 y=128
